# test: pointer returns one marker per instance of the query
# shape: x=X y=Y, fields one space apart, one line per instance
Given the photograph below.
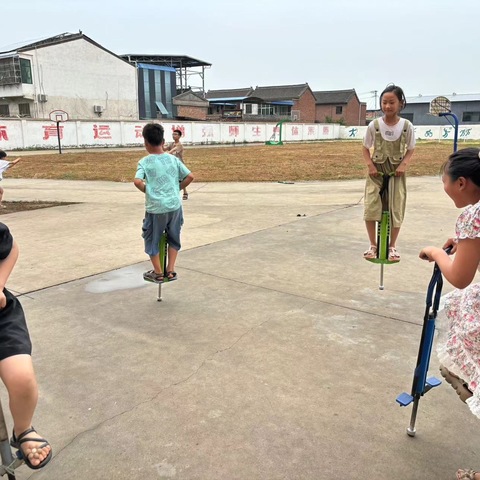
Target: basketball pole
x=58 y=136
x=455 y=127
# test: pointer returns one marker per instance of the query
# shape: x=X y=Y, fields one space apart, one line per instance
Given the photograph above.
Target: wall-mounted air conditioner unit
x=98 y=108
x=42 y=98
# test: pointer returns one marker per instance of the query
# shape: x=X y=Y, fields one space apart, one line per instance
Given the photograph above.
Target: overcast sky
x=429 y=47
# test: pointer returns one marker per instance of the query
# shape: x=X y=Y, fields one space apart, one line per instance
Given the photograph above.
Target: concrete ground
x=274 y=356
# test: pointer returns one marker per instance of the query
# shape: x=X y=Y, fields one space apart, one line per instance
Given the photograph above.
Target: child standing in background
x=4 y=166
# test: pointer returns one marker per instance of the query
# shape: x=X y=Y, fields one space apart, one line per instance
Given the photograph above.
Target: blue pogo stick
x=421 y=384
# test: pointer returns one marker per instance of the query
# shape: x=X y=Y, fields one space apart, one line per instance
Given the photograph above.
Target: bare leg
x=172 y=258
x=371 y=231
x=19 y=378
x=157 y=267
x=1 y=196
x=394 y=236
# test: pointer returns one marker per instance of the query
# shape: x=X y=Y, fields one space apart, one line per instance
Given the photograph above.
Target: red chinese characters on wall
x=138 y=131
x=256 y=131
x=295 y=131
x=233 y=130
x=326 y=130
x=51 y=131
x=311 y=131
x=3 y=132
x=101 y=132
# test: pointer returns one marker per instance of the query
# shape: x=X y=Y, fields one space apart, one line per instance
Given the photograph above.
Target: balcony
x=20 y=90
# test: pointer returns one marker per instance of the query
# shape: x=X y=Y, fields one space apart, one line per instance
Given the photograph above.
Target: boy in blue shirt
x=161 y=176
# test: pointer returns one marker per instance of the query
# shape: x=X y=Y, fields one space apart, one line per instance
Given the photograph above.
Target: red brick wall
x=195 y=113
x=352 y=114
x=306 y=105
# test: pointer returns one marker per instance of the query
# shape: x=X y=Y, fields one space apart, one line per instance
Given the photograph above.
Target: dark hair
x=2 y=154
x=398 y=93
x=153 y=133
x=178 y=131
x=464 y=163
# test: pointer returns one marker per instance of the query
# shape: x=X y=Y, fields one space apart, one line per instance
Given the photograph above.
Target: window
x=10 y=71
x=284 y=110
x=338 y=110
x=265 y=110
x=25 y=71
x=146 y=89
x=4 y=110
x=24 y=109
x=248 y=108
x=471 y=117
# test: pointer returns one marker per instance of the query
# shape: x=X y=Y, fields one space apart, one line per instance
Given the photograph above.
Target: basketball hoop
x=440 y=105
x=58 y=116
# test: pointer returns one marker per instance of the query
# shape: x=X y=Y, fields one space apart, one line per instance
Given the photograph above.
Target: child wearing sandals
x=459 y=351
x=393 y=142
x=16 y=369
x=161 y=176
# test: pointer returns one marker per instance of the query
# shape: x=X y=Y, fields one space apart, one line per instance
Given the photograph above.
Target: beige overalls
x=386 y=157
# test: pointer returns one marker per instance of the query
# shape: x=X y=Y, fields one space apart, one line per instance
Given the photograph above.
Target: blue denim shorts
x=154 y=224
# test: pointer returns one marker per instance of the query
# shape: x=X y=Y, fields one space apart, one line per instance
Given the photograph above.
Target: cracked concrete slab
x=274 y=356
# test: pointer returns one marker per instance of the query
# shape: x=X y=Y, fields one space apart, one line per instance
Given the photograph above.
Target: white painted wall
x=41 y=134
x=77 y=75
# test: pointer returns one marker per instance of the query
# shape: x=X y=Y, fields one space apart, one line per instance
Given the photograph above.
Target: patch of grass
x=336 y=160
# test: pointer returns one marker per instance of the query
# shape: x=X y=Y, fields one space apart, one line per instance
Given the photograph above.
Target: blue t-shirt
x=162 y=174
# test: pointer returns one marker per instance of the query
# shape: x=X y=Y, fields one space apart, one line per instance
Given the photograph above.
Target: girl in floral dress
x=459 y=353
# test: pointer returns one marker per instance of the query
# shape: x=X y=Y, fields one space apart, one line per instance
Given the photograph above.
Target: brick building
x=339 y=106
x=272 y=103
x=191 y=106
x=294 y=102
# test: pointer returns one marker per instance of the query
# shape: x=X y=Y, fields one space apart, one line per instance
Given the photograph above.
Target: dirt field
x=250 y=163
x=11 y=207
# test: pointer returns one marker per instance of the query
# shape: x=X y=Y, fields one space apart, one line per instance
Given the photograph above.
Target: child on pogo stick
x=16 y=369
x=459 y=352
x=161 y=176
x=393 y=142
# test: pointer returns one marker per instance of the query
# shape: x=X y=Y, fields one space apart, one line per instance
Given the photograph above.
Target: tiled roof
x=229 y=93
x=334 y=96
x=280 y=92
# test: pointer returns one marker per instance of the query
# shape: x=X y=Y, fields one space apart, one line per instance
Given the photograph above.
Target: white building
x=67 y=72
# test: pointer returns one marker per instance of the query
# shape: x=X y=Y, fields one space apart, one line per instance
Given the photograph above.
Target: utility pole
x=375 y=95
